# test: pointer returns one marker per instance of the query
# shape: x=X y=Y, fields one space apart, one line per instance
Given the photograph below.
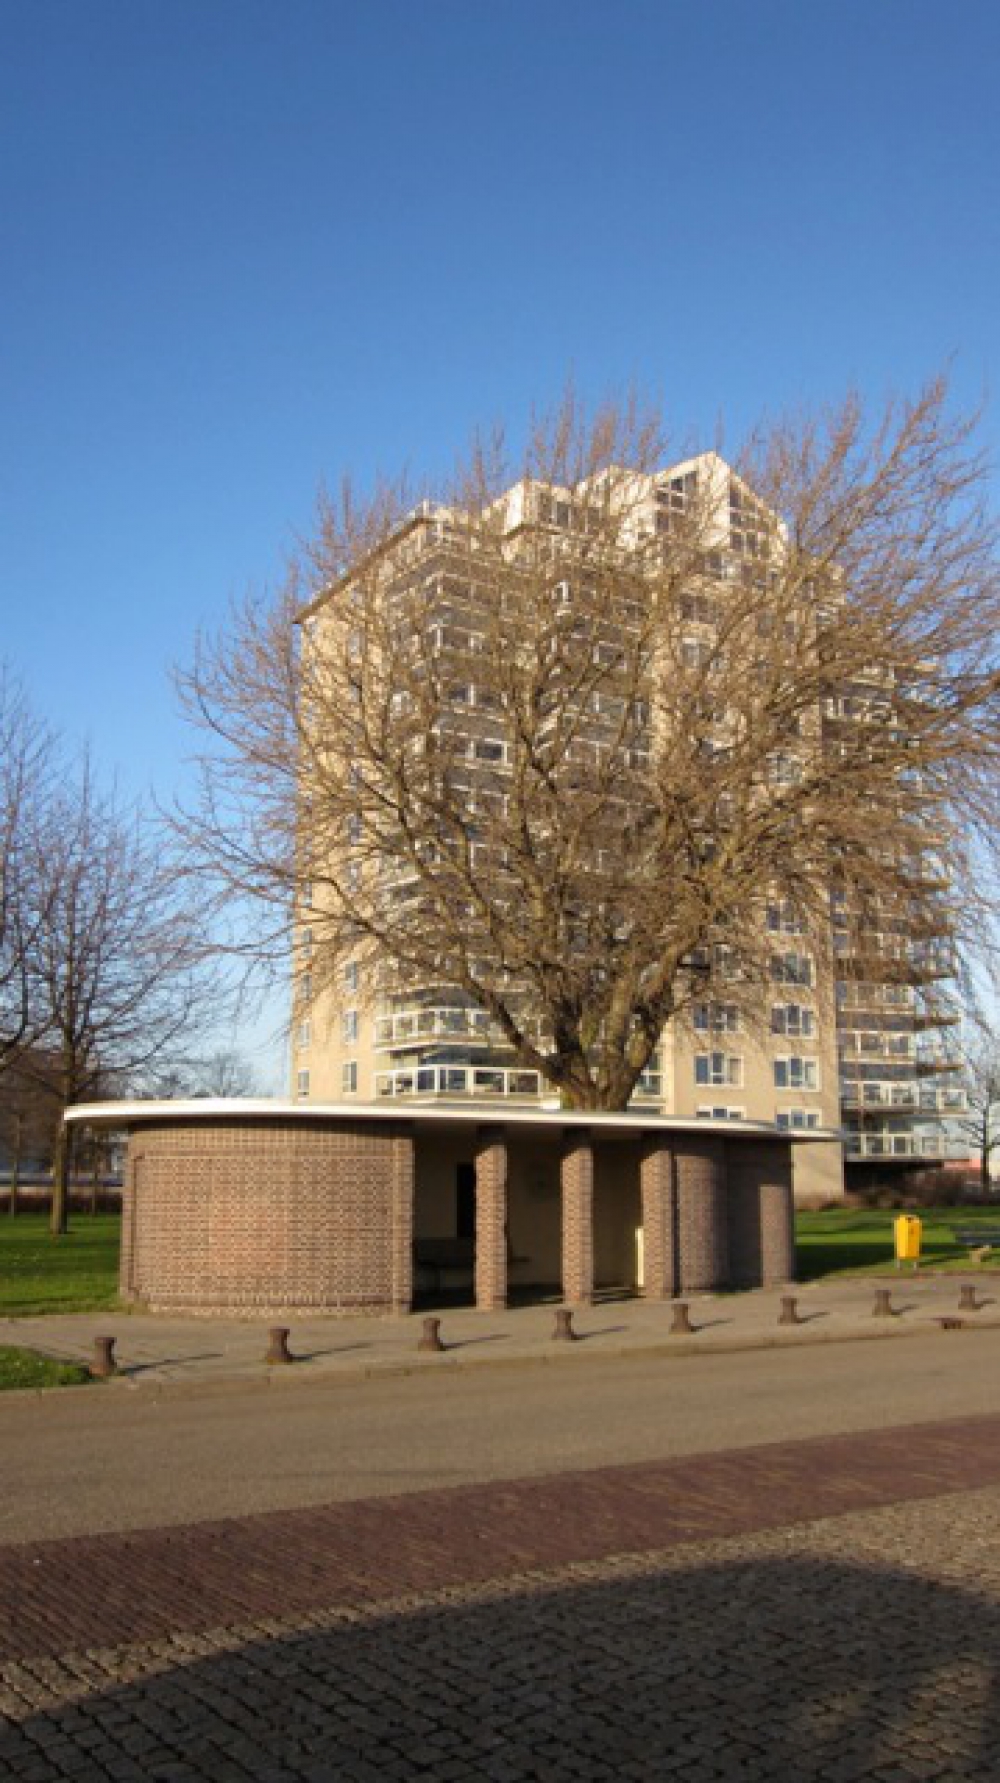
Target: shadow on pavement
x=792 y=1668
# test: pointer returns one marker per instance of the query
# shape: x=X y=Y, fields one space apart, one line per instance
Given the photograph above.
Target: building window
x=705 y=1113
x=797 y=1119
x=793 y=1018
x=718 y=1067
x=302 y=1083
x=351 y=975
x=349 y=1077
x=796 y=1074
x=782 y=919
x=716 y=1018
x=350 y=1026
x=791 y=968
x=303 y=1035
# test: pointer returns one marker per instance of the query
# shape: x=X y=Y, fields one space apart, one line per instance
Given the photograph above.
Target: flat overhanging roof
x=433 y=1115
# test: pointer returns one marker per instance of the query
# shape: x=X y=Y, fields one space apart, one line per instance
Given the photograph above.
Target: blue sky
x=248 y=244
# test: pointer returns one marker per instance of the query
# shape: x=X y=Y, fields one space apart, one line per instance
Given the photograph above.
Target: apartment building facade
x=849 y=1032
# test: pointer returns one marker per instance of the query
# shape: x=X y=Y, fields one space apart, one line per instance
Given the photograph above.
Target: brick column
x=701 y=1212
x=576 y=1175
x=126 y=1263
x=659 y=1218
x=403 y=1180
x=777 y=1218
x=491 y=1219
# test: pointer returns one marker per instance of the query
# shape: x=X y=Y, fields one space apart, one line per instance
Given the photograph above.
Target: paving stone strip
x=103 y=1590
x=860 y=1648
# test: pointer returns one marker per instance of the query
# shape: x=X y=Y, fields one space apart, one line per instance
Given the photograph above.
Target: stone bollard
x=681 y=1325
x=104 y=1364
x=278 y=1351
x=789 y=1314
x=883 y=1308
x=430 y=1336
x=968 y=1300
x=564 y=1325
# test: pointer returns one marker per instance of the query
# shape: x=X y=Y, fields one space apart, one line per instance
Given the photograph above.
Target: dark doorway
x=465 y=1201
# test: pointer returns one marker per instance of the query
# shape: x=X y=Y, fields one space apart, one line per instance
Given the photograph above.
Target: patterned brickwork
x=491 y=1219
x=659 y=1219
x=702 y=1213
x=576 y=1175
x=260 y=1216
x=777 y=1230
x=269 y=1217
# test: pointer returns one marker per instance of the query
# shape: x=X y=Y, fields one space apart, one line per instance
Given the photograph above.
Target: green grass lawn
x=26 y=1368
x=859 y=1241
x=76 y=1273
x=79 y=1273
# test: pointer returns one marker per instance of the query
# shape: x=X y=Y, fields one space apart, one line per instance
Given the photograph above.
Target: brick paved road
x=819 y=1610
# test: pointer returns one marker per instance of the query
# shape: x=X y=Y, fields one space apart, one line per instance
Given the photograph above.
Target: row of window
x=790 y=1073
x=788 y=1119
x=348 y=1079
x=724 y=1018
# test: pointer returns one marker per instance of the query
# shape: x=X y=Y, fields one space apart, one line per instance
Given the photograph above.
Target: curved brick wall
x=260 y=1215
x=266 y=1217
x=702 y=1213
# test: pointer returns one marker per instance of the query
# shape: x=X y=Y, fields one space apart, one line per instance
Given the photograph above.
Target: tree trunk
x=59 y=1217
x=95 y=1174
x=15 y=1164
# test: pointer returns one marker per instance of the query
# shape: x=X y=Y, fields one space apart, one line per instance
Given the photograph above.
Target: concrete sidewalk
x=156 y=1352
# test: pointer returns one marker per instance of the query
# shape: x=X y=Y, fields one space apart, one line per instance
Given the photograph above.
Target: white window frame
x=716 y=1018
x=798 y=1020
x=797 y=1120
x=717 y=1069
x=302 y=1083
x=349 y=1077
x=791 y=1066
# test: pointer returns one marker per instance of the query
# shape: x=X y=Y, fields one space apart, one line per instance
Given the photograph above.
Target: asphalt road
x=106 y=1459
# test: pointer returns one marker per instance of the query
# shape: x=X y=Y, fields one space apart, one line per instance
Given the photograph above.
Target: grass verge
x=859 y=1241
x=41 y=1274
x=26 y=1368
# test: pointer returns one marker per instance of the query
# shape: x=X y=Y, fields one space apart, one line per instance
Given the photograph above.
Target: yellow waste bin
x=908 y=1230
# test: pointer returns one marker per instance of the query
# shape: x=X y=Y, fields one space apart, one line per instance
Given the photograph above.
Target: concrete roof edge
x=133 y=1113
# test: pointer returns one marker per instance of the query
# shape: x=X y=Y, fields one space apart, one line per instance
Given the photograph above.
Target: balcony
x=487 y=1082
x=414 y=1027
x=920 y=1098
x=886 y=1045
x=901 y=1145
x=481 y=1081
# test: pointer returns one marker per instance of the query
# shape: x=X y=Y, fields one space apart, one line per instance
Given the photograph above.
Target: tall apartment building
x=851 y=1032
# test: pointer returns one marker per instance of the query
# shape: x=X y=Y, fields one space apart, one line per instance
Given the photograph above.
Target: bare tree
x=222 y=1072
x=26 y=764
x=981 y=1123
x=577 y=743
x=28 y=1119
x=120 y=955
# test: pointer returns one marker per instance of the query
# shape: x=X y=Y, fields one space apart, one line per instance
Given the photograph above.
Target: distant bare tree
x=26 y=764
x=579 y=751
x=120 y=955
x=223 y=1072
x=981 y=1124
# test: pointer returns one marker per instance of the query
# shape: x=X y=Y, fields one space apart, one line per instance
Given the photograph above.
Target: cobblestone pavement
x=822 y=1610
